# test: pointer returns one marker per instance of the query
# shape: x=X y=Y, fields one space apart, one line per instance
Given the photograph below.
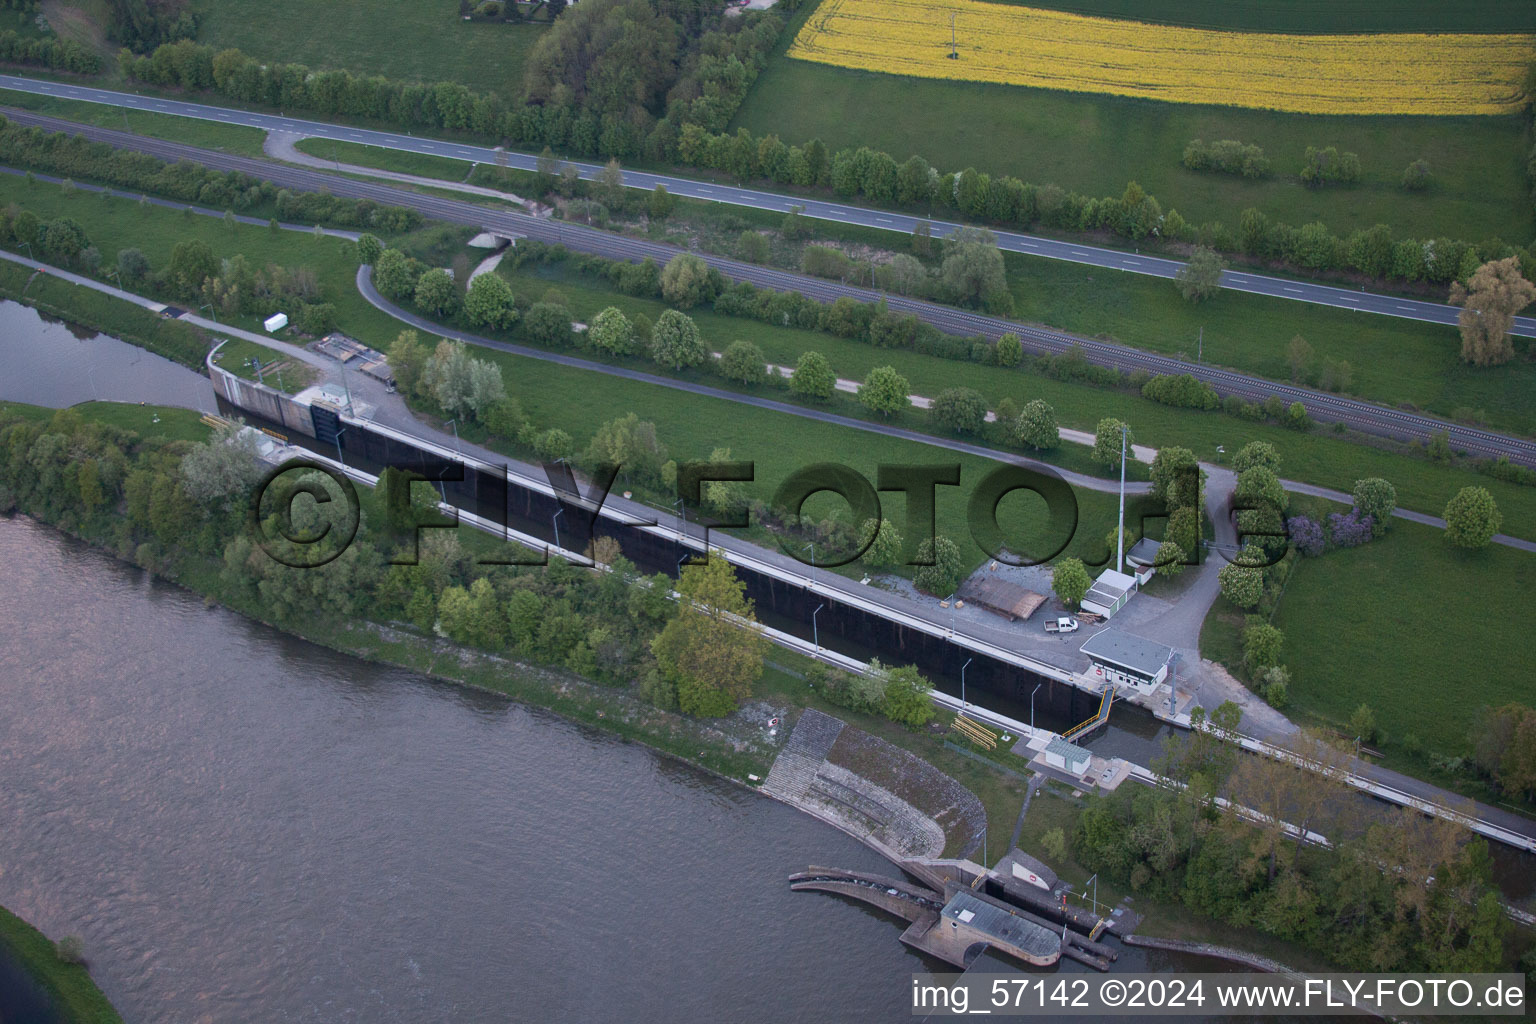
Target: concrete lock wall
x=783 y=604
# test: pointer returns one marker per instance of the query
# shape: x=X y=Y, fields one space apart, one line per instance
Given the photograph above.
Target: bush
x=70 y=950
x=1182 y=391
x=960 y=409
x=948 y=568
x=1472 y=518
x=1306 y=535
x=1278 y=693
x=1261 y=646
x=744 y=363
x=1227 y=156
x=1350 y=529
x=813 y=377
x=1329 y=166
x=1416 y=178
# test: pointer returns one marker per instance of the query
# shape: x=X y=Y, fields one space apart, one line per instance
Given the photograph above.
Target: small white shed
x=1069 y=757
x=275 y=322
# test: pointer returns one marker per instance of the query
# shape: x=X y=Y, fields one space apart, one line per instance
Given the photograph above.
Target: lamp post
x=811 y=547
x=815 y=632
x=963 y=704
x=555 y=519
x=339 y=457
x=457 y=444
x=1032 y=707
x=209 y=308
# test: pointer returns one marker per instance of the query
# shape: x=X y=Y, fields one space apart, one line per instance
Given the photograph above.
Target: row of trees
x=1408 y=892
x=72 y=156
x=47 y=52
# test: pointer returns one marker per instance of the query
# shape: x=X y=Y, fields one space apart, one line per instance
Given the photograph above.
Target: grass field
x=1411 y=627
x=1315 y=457
x=412 y=40
x=1452 y=644
x=230 y=138
x=1396 y=73
x=1393 y=361
x=75 y=996
x=441 y=167
x=1095 y=144
x=1314 y=16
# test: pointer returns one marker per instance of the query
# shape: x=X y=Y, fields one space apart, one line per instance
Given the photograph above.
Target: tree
x=885 y=543
x=713 y=649
x=1200 y=277
x=661 y=203
x=548 y=324
x=744 y=363
x=813 y=377
x=753 y=246
x=224 y=469
x=1170 y=558
x=1176 y=477
x=1243 y=584
x=1362 y=722
x=1070 y=580
x=1376 y=498
x=675 y=341
x=1107 y=442
x=489 y=303
x=1261 y=646
x=192 y=263
x=1472 y=518
x=794 y=226
x=1416 y=178
x=631 y=444
x=1036 y=426
x=685 y=281
x=407 y=358
x=885 y=391
x=947 y=570
x=973 y=270
x=1256 y=453
x=1489 y=302
x=907 y=697
x=612 y=332
x=436 y=293
x=132 y=265
x=1298 y=355
x=369 y=249
x=394 y=274
x=1009 y=350
x=1260 y=488
x=960 y=409
x=448 y=377
x=611 y=180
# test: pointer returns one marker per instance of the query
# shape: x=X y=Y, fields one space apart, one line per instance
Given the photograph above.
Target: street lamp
x=963 y=704
x=1032 y=707
x=555 y=519
x=457 y=445
x=211 y=315
x=812 y=548
x=339 y=456
x=815 y=633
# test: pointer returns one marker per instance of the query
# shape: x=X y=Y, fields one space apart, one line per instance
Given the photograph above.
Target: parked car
x=1064 y=624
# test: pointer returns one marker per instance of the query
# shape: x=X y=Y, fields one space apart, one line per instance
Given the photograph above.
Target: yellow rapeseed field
x=1325 y=74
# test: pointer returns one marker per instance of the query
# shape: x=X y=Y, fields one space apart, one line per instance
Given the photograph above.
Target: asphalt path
x=1382 y=421
x=716 y=192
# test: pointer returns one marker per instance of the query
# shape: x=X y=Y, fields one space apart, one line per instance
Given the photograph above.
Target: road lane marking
x=1076 y=253
x=1297 y=291
x=1239 y=280
x=1135 y=263
x=1408 y=308
x=883 y=220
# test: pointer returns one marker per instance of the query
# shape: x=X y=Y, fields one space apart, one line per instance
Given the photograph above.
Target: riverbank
x=72 y=995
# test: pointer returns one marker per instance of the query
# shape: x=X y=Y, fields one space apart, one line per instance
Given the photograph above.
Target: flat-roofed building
x=1124 y=659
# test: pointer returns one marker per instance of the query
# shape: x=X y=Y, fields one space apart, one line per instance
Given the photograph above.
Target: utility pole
x=963 y=704
x=1200 y=346
x=1120 y=538
x=953 y=55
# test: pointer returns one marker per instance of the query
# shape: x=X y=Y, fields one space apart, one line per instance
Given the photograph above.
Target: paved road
x=841 y=213
x=1379 y=420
